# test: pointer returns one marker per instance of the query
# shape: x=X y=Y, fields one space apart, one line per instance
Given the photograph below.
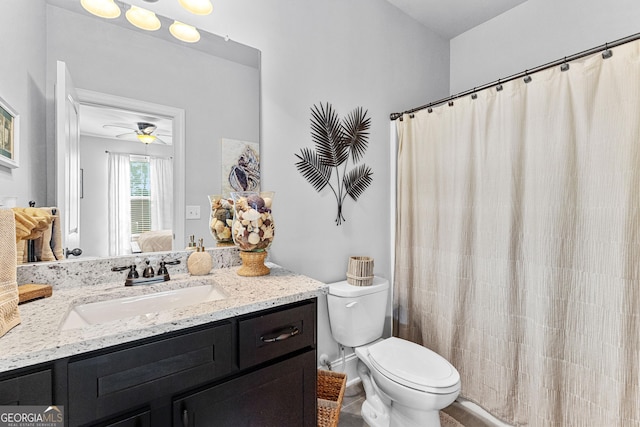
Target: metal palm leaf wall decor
x=336 y=141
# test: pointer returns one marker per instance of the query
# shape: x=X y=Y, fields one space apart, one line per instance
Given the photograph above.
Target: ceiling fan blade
x=118 y=126
x=161 y=141
x=123 y=135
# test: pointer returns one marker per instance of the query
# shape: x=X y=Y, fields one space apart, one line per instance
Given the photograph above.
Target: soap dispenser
x=199 y=262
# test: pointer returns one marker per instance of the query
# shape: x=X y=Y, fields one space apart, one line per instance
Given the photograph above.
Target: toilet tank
x=357 y=313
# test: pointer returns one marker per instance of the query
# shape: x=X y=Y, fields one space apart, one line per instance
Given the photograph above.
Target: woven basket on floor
x=330 y=391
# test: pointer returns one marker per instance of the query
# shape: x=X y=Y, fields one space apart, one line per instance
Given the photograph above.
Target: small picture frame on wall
x=9 y=135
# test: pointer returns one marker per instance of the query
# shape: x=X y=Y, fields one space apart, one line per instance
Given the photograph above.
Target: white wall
x=22 y=85
x=537 y=32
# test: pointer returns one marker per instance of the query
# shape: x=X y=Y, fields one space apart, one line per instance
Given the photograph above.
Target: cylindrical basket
x=360 y=271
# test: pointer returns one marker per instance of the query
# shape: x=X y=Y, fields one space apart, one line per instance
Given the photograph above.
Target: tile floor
x=452 y=416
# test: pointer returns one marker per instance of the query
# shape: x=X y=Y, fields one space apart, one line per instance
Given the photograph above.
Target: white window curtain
x=119 y=195
x=518 y=243
x=161 y=176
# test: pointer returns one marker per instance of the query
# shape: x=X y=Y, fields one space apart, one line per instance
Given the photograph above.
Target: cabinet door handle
x=282 y=335
x=185 y=418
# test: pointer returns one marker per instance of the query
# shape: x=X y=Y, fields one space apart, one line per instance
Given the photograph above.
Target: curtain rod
x=606 y=53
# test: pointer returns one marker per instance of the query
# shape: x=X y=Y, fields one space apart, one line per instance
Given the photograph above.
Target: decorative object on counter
x=199 y=262
x=240 y=166
x=33 y=291
x=335 y=141
x=9 y=314
x=330 y=392
x=360 y=271
x=221 y=220
x=253 y=230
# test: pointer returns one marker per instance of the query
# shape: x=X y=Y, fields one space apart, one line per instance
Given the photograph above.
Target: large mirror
x=131 y=82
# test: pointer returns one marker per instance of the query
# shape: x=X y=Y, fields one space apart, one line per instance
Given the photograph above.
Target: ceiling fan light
x=184 y=32
x=102 y=8
x=146 y=139
x=197 y=7
x=143 y=18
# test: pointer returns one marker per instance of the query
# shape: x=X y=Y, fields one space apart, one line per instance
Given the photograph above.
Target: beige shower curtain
x=518 y=243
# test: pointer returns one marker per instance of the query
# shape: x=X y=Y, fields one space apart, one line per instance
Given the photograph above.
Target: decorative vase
x=253 y=230
x=221 y=220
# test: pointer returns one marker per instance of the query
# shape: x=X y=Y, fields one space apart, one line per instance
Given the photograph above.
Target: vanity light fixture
x=145 y=138
x=143 y=18
x=197 y=7
x=102 y=8
x=184 y=32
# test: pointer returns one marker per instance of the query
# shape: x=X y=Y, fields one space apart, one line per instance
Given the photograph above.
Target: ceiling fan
x=144 y=132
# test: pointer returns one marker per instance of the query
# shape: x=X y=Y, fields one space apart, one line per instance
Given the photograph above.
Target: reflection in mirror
x=138 y=147
x=216 y=83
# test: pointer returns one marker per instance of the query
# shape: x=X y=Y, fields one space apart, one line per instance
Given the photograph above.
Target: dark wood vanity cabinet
x=253 y=370
x=277 y=352
x=27 y=388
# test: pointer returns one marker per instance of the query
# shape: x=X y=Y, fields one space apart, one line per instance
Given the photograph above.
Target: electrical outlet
x=193 y=212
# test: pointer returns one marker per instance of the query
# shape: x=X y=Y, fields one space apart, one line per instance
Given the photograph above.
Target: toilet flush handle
x=351 y=304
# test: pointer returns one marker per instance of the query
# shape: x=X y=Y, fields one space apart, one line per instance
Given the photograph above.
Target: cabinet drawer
x=105 y=385
x=274 y=334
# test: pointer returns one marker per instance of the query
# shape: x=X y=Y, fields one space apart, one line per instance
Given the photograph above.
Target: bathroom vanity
x=247 y=359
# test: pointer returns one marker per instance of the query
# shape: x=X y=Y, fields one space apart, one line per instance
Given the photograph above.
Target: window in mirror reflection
x=139 y=188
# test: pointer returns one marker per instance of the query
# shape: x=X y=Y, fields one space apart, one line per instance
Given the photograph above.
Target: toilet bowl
x=415 y=382
x=405 y=384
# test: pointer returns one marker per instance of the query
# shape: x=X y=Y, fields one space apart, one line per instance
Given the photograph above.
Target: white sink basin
x=121 y=308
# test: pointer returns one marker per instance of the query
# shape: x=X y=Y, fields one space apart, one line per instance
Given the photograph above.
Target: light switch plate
x=193 y=212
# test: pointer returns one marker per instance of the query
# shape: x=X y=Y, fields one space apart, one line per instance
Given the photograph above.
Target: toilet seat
x=414 y=366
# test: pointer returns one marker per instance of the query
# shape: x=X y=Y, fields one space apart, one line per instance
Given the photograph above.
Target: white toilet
x=405 y=384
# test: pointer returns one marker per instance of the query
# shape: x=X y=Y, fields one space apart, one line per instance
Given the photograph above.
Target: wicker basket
x=360 y=271
x=330 y=392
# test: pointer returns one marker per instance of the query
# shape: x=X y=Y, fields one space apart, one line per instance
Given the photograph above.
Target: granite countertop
x=39 y=338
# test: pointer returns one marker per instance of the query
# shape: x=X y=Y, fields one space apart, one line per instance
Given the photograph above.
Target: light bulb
x=143 y=18
x=197 y=7
x=102 y=8
x=184 y=32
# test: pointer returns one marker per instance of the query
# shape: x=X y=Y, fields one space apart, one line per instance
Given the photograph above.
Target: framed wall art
x=9 y=135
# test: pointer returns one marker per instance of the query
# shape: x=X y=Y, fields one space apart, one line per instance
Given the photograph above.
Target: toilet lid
x=414 y=366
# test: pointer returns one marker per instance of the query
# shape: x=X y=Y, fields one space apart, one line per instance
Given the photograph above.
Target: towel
x=9 y=315
x=31 y=224
x=44 y=245
x=21 y=251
